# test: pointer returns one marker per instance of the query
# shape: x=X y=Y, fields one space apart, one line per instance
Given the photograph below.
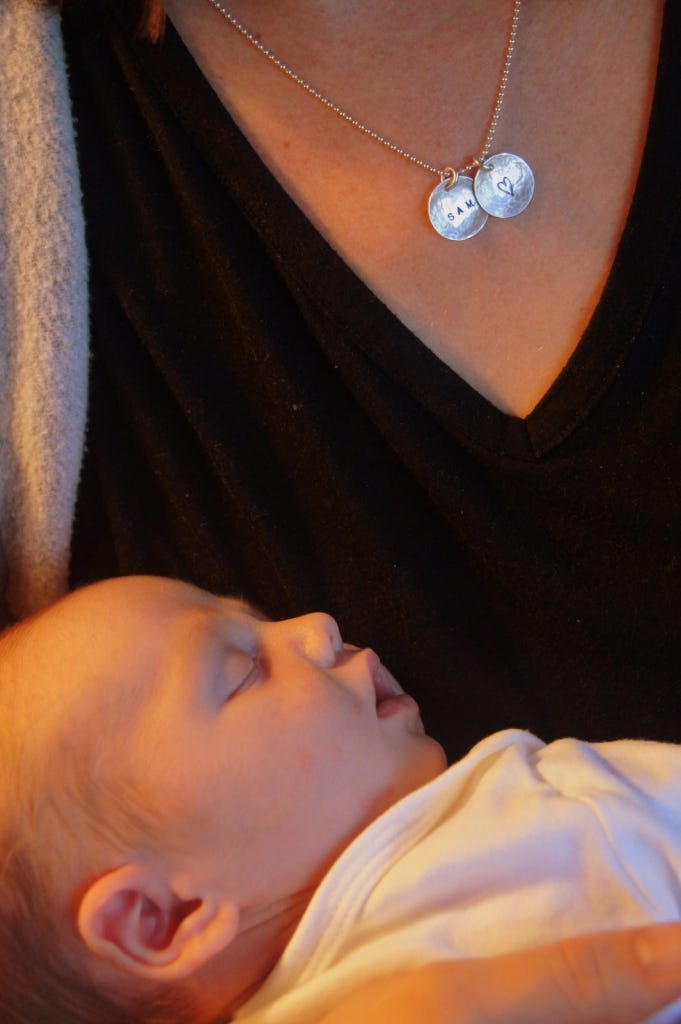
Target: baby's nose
x=318 y=638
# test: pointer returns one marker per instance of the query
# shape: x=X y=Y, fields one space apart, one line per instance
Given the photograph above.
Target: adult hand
x=620 y=977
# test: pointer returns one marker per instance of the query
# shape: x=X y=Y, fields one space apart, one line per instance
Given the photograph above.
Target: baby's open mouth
x=385 y=684
x=390 y=697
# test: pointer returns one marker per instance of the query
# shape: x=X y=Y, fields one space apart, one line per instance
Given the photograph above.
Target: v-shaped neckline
x=315 y=269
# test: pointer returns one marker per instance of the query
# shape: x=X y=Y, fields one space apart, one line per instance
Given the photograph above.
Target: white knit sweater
x=43 y=311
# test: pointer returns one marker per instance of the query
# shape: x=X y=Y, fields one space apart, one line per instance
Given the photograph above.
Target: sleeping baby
x=208 y=815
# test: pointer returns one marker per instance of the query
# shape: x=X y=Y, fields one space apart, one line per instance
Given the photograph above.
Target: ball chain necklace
x=502 y=185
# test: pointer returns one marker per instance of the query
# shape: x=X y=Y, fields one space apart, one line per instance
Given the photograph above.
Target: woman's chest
x=506 y=308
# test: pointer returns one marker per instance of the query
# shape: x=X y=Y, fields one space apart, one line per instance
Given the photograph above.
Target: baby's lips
x=385 y=684
x=390 y=697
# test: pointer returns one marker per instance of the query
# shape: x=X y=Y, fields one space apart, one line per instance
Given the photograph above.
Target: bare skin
x=505 y=310
x=608 y=978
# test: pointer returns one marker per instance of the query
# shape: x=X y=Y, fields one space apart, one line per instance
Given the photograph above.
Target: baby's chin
x=439 y=756
x=428 y=760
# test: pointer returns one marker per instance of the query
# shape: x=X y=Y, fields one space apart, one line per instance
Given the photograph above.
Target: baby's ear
x=130 y=917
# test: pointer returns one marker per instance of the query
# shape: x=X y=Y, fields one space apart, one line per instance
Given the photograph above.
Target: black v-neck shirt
x=261 y=424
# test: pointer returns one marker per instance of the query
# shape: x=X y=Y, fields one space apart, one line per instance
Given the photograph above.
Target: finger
x=620 y=977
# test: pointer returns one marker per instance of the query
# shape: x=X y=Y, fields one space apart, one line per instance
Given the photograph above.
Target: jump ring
x=451 y=176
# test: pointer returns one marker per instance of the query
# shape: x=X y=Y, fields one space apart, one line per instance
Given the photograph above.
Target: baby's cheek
x=328 y=733
x=326 y=749
x=305 y=761
x=315 y=759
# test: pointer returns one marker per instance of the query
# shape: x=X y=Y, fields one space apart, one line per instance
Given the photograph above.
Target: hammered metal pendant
x=504 y=185
x=454 y=211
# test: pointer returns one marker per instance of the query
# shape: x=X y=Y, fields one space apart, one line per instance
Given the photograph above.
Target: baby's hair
x=153 y=19
x=151 y=14
x=56 y=798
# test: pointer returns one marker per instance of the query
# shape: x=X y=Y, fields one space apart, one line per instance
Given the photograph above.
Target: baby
x=209 y=815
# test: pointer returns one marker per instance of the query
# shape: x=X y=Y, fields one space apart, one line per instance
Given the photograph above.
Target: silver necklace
x=458 y=207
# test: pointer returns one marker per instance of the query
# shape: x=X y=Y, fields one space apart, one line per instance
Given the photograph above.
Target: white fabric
x=516 y=845
x=43 y=311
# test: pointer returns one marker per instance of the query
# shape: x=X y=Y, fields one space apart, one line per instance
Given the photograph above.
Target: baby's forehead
x=110 y=632
x=134 y=602
x=36 y=691
x=62 y=651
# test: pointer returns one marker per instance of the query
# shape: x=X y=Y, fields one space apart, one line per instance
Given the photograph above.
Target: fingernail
x=659 y=948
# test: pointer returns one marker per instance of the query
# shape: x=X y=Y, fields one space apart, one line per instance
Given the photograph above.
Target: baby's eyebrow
x=242 y=605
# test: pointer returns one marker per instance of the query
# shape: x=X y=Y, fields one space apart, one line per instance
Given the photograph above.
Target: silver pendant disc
x=504 y=185
x=455 y=214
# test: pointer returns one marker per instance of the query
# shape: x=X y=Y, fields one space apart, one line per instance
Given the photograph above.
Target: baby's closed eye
x=242 y=669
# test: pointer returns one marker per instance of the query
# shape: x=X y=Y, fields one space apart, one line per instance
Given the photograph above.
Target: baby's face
x=268 y=745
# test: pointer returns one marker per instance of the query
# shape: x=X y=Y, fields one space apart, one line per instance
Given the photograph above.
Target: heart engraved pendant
x=504 y=185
